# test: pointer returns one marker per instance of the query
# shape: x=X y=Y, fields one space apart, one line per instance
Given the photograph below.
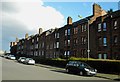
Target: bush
x=102 y=65
x=59 y=59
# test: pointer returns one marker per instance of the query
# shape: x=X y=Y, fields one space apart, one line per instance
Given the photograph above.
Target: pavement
x=100 y=75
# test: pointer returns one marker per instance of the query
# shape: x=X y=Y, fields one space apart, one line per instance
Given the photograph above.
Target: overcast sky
x=20 y=17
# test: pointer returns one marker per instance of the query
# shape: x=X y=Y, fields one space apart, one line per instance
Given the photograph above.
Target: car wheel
x=67 y=70
x=81 y=73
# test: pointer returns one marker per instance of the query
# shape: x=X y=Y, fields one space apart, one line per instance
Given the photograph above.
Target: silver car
x=21 y=59
x=29 y=61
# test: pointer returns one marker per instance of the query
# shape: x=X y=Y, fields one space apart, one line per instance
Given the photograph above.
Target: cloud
x=19 y=18
x=9 y=7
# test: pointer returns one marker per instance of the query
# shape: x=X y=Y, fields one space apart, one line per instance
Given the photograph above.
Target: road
x=12 y=70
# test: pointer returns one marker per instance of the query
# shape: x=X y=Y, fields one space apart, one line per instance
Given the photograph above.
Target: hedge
x=103 y=66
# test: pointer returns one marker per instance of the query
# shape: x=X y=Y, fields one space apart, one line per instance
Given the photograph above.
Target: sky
x=19 y=17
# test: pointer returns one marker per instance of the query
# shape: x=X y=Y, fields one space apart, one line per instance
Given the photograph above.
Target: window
x=75 y=30
x=100 y=56
x=82 y=28
x=39 y=53
x=65 y=42
x=51 y=46
x=104 y=26
x=75 y=41
x=43 y=45
x=68 y=53
x=21 y=52
x=68 y=42
x=58 y=35
x=105 y=56
x=85 y=28
x=22 y=41
x=104 y=41
x=39 y=45
x=54 y=45
x=47 y=47
x=84 y=40
x=57 y=45
x=37 y=39
x=99 y=27
x=84 y=51
x=22 y=47
x=115 y=39
x=36 y=45
x=100 y=41
x=68 y=31
x=35 y=53
x=65 y=53
x=32 y=40
x=42 y=53
x=115 y=24
x=55 y=35
x=65 y=32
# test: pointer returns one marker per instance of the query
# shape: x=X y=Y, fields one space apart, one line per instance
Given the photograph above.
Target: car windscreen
x=22 y=58
x=12 y=56
x=29 y=59
x=85 y=65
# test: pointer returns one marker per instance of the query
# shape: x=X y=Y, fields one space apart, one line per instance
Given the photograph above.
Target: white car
x=21 y=59
x=11 y=57
x=29 y=61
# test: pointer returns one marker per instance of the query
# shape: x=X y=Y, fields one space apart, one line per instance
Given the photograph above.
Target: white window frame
x=57 y=44
x=37 y=39
x=99 y=27
x=115 y=23
x=105 y=56
x=99 y=56
x=66 y=32
x=68 y=42
x=104 y=26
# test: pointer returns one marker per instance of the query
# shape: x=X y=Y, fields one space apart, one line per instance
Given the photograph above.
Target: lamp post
x=88 y=48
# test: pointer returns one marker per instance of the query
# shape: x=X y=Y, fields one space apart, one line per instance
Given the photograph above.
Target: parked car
x=80 y=67
x=6 y=56
x=2 y=55
x=21 y=59
x=11 y=57
x=29 y=61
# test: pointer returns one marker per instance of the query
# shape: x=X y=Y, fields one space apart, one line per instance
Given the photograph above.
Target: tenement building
x=96 y=36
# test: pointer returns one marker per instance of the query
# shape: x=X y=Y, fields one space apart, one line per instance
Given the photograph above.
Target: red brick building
x=96 y=36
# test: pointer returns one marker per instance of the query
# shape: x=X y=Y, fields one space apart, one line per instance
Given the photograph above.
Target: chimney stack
x=40 y=30
x=69 y=20
x=17 y=40
x=98 y=11
x=26 y=35
x=11 y=44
